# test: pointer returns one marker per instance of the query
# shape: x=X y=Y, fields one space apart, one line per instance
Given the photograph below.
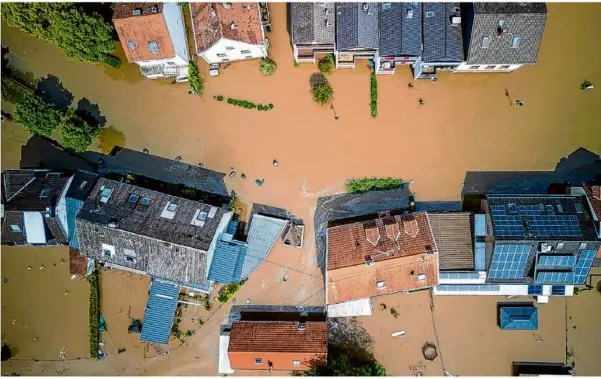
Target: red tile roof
x=278 y=336
x=378 y=240
x=234 y=21
x=78 y=265
x=593 y=193
x=149 y=26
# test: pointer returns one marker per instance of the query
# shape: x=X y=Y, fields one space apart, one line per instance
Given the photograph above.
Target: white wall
x=61 y=209
x=361 y=307
x=464 y=67
x=177 y=60
x=174 y=18
x=235 y=54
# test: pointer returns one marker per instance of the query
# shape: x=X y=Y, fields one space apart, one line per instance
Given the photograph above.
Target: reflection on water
x=109 y=138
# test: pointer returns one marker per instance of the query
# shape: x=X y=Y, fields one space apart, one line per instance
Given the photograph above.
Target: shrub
x=374 y=95
x=270 y=106
x=260 y=107
x=111 y=61
x=228 y=291
x=268 y=66
x=37 y=115
x=194 y=80
x=94 y=313
x=296 y=64
x=394 y=312
x=372 y=184
x=219 y=98
x=230 y=100
x=326 y=64
x=13 y=91
x=322 y=92
x=207 y=303
x=77 y=134
x=188 y=192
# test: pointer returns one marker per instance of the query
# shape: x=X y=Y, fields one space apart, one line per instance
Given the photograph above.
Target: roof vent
x=545 y=247
x=301 y=325
x=327 y=23
x=154 y=9
x=137 y=12
x=368 y=260
x=365 y=7
x=372 y=234
x=233 y=26
x=227 y=5
x=113 y=224
x=456 y=20
x=411 y=227
x=409 y=13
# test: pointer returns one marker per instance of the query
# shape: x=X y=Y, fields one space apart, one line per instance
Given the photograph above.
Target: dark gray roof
x=23 y=189
x=400 y=35
x=443 y=40
x=356 y=28
x=178 y=230
x=124 y=160
x=313 y=23
x=82 y=184
x=524 y=20
x=41 y=152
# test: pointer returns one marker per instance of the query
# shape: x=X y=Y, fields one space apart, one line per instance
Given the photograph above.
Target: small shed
x=518 y=317
x=160 y=309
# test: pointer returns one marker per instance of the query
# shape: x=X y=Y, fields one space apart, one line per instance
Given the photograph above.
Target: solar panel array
x=555 y=226
x=529 y=210
x=539 y=224
x=458 y=275
x=469 y=288
x=509 y=226
x=558 y=290
x=551 y=277
x=509 y=261
x=535 y=290
x=583 y=266
x=550 y=262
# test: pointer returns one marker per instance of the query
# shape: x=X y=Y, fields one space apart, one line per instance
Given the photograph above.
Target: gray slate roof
x=309 y=23
x=400 y=35
x=262 y=235
x=82 y=184
x=22 y=189
x=524 y=20
x=443 y=40
x=355 y=28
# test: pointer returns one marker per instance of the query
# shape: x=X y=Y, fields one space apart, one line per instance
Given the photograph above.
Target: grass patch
x=374 y=95
x=373 y=184
x=94 y=313
x=228 y=291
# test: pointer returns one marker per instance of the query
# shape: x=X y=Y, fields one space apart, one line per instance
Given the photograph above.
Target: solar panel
x=583 y=266
x=458 y=275
x=498 y=210
x=529 y=210
x=554 y=277
x=508 y=226
x=551 y=262
x=509 y=261
x=469 y=288
x=535 y=290
x=554 y=226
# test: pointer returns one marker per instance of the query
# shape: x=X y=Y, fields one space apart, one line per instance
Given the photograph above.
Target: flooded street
x=466 y=124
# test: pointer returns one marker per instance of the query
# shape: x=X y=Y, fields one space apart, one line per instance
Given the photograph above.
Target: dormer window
x=201 y=216
x=45 y=193
x=105 y=194
x=515 y=42
x=144 y=204
x=133 y=201
x=172 y=207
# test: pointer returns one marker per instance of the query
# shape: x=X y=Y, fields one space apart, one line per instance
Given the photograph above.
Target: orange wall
x=281 y=361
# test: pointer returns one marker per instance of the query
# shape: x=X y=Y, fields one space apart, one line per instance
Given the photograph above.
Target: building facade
x=313 y=30
x=153 y=36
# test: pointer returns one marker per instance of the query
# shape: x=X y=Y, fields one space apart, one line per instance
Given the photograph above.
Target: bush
x=374 y=95
x=37 y=115
x=77 y=134
x=111 y=61
x=372 y=184
x=246 y=104
x=219 y=98
x=194 y=80
x=326 y=64
x=270 y=106
x=296 y=64
x=13 y=91
x=228 y=291
x=94 y=313
x=322 y=92
x=268 y=66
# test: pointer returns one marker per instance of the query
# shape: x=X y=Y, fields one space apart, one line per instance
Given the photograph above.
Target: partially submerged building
x=502 y=37
x=517 y=316
x=153 y=36
x=265 y=337
x=383 y=255
x=312 y=30
x=225 y=32
x=356 y=33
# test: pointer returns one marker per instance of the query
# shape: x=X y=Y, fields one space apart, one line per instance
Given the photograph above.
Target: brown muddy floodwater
x=466 y=124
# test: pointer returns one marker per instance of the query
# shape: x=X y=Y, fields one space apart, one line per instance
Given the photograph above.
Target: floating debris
x=260 y=182
x=200 y=164
x=275 y=163
x=5 y=280
x=29 y=267
x=178 y=158
x=66 y=292
x=35 y=339
x=232 y=174
x=25 y=326
x=421 y=101
x=243 y=176
x=248 y=301
x=62 y=260
x=519 y=103
x=145 y=151
x=14 y=321
x=42 y=267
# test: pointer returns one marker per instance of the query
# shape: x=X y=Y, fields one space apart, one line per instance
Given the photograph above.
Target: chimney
x=301 y=325
x=411 y=227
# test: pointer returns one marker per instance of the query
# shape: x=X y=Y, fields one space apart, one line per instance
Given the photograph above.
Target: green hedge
x=228 y=291
x=326 y=64
x=194 y=81
x=374 y=95
x=372 y=184
x=245 y=103
x=94 y=313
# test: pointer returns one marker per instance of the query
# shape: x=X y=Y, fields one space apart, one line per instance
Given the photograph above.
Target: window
x=381 y=284
x=515 y=42
x=225 y=60
x=559 y=208
x=172 y=207
x=485 y=42
x=133 y=201
x=582 y=245
x=578 y=207
x=15 y=228
x=505 y=67
x=201 y=216
x=491 y=67
x=105 y=194
x=410 y=13
x=421 y=277
x=108 y=251
x=559 y=245
x=137 y=12
x=258 y=361
x=221 y=55
x=130 y=255
x=171 y=63
x=501 y=24
x=386 y=6
x=245 y=52
x=131 y=45
x=153 y=46
x=45 y=193
x=83 y=185
x=144 y=204
x=295 y=363
x=429 y=14
x=474 y=67
x=229 y=48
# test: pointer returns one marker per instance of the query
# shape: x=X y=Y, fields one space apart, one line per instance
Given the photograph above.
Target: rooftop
x=159 y=312
x=313 y=23
x=139 y=24
x=510 y=8
x=518 y=317
x=443 y=38
x=234 y=21
x=357 y=27
x=453 y=235
x=31 y=190
x=400 y=28
x=593 y=194
x=384 y=238
x=82 y=184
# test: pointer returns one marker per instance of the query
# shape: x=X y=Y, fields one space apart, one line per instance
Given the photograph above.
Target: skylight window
x=83 y=185
x=202 y=216
x=386 y=6
x=144 y=204
x=131 y=45
x=105 y=194
x=381 y=284
x=45 y=193
x=430 y=14
x=515 y=42
x=153 y=46
x=15 y=228
x=133 y=201
x=410 y=13
x=172 y=207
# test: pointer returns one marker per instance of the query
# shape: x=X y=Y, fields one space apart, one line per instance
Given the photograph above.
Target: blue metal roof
x=158 y=316
x=73 y=207
x=513 y=317
x=262 y=235
x=228 y=258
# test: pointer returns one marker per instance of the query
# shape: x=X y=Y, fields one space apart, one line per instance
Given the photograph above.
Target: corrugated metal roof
x=158 y=316
x=518 y=317
x=228 y=258
x=73 y=207
x=262 y=235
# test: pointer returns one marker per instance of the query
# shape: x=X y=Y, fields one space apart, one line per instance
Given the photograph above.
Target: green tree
x=344 y=365
x=372 y=184
x=194 y=81
x=322 y=92
x=37 y=115
x=77 y=134
x=374 y=95
x=80 y=36
x=326 y=64
x=268 y=66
